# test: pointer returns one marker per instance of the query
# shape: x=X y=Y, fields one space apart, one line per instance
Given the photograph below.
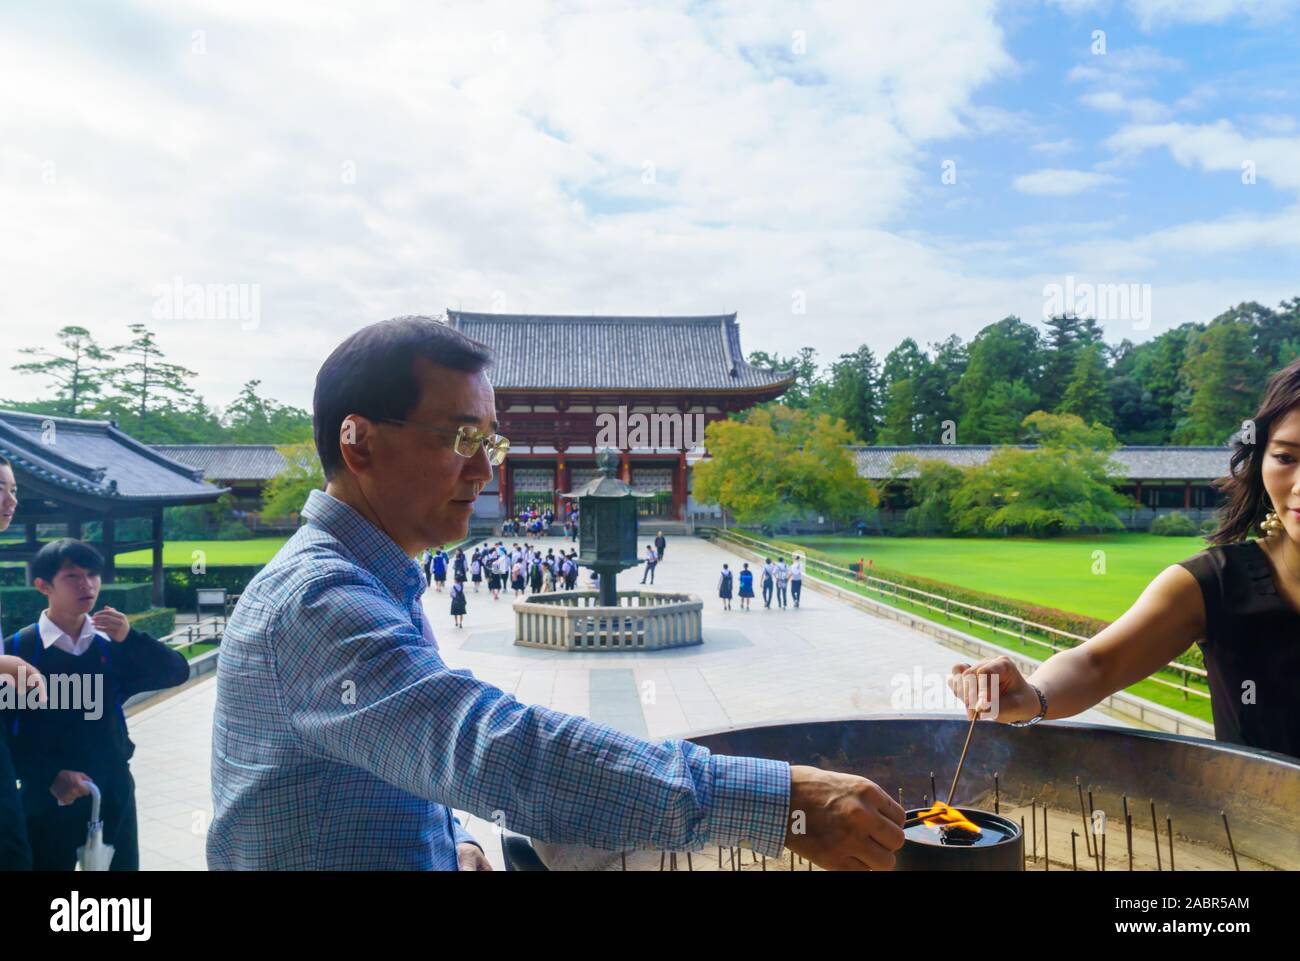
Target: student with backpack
x=60 y=751
x=768 y=577
x=724 y=588
x=746 y=586
x=458 y=604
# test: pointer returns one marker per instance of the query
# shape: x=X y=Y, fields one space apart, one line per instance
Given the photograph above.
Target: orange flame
x=941 y=816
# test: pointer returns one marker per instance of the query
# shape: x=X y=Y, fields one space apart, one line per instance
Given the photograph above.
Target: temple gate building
x=567 y=386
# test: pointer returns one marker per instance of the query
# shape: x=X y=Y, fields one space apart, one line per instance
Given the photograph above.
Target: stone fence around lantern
x=575 y=621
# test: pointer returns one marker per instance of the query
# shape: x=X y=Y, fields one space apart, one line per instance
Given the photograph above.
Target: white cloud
x=1216 y=148
x=1054 y=146
x=1142 y=109
x=1156 y=13
x=1151 y=13
x=1054 y=182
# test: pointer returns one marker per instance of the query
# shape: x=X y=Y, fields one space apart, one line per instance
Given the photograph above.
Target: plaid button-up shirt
x=341 y=736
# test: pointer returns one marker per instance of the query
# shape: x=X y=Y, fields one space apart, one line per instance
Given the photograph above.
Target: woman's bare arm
x=1164 y=621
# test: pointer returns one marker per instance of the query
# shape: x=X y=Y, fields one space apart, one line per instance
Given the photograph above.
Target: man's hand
x=470 y=857
x=848 y=823
x=70 y=785
x=113 y=623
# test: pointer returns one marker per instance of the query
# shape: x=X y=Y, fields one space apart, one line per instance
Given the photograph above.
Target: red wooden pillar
x=507 y=495
x=679 y=487
x=561 y=484
x=1187 y=494
x=1137 y=492
x=625 y=467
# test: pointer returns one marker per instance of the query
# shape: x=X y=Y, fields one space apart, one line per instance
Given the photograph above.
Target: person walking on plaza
x=746 y=586
x=782 y=577
x=440 y=568
x=660 y=543
x=724 y=588
x=651 y=559
x=476 y=570
x=495 y=568
x=535 y=574
x=768 y=571
x=796 y=578
x=458 y=604
x=458 y=567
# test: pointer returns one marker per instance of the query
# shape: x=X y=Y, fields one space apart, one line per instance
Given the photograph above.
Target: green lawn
x=1056 y=573
x=1037 y=571
x=259 y=550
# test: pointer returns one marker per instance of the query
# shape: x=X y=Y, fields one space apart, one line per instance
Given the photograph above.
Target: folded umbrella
x=95 y=855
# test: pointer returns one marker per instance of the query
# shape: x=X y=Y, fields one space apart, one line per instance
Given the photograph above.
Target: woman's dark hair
x=51 y=558
x=4 y=462
x=1247 y=502
x=372 y=373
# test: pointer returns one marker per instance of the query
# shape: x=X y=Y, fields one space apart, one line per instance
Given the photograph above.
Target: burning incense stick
x=952 y=791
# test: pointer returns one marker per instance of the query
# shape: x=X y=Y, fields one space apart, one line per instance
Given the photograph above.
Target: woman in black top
x=1239 y=600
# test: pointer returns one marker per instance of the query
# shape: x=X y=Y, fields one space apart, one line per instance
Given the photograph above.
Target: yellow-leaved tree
x=775 y=463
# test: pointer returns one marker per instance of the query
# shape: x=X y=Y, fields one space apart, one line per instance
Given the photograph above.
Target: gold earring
x=1271 y=524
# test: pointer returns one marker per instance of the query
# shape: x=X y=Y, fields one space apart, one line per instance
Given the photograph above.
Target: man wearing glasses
x=341 y=739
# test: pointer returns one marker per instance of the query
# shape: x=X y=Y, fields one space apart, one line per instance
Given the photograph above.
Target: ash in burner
x=955 y=834
x=991 y=833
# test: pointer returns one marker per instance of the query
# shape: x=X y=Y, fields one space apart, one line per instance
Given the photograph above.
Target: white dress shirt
x=54 y=636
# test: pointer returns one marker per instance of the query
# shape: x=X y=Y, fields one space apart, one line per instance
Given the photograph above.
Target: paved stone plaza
x=826 y=659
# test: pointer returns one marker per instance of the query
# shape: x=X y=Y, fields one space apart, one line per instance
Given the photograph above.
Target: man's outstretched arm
x=361 y=685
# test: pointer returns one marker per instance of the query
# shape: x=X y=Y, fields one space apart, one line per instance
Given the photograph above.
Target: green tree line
x=1192 y=384
x=152 y=400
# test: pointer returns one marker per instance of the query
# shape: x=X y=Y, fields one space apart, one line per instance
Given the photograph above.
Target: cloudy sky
x=838 y=173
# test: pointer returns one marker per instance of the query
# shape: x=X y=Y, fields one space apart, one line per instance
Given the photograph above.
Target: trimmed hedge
x=159 y=622
x=20 y=606
x=1174 y=525
x=179 y=584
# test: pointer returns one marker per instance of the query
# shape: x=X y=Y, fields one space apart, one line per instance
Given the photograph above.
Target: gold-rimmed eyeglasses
x=467 y=439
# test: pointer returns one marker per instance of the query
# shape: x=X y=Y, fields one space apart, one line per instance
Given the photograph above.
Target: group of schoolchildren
x=63 y=732
x=781 y=577
x=537 y=522
x=521 y=566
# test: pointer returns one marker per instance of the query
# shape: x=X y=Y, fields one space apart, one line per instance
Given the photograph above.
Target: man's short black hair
x=51 y=558
x=372 y=373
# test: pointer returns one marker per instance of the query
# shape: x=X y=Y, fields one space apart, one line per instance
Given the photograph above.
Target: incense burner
x=1091 y=796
